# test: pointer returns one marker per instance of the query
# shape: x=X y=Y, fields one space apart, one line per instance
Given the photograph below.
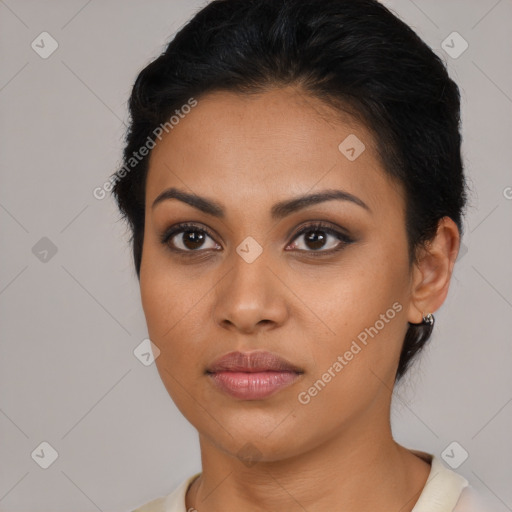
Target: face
x=324 y=284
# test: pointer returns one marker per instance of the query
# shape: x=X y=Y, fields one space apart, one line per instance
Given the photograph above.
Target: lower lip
x=252 y=386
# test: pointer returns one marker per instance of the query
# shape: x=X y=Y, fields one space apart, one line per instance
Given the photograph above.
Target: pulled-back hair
x=354 y=55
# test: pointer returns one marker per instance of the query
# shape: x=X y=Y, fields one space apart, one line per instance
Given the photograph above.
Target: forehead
x=248 y=148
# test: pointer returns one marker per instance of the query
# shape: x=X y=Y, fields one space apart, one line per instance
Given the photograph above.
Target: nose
x=251 y=297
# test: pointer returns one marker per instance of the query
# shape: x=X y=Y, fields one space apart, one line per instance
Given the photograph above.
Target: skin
x=248 y=153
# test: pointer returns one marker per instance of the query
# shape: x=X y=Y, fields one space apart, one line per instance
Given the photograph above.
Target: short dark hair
x=354 y=55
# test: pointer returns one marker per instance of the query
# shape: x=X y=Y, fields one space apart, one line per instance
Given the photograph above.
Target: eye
x=321 y=238
x=188 y=238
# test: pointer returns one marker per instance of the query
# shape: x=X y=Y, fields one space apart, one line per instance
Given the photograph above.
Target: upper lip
x=251 y=362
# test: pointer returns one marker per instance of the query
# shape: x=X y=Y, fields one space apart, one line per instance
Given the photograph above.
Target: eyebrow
x=278 y=211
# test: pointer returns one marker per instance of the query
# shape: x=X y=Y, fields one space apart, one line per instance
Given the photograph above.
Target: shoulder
x=447 y=491
x=174 y=502
x=156 y=505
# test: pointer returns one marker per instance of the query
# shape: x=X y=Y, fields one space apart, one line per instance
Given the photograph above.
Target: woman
x=293 y=182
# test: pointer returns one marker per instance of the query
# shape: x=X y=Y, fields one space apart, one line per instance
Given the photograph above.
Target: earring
x=429 y=319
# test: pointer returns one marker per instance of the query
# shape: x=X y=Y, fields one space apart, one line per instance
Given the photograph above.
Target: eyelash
x=315 y=226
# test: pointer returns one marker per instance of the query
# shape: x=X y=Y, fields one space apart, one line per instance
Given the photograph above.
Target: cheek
x=363 y=314
x=174 y=309
x=172 y=320
x=354 y=294
x=351 y=367
x=155 y=297
x=168 y=311
x=165 y=292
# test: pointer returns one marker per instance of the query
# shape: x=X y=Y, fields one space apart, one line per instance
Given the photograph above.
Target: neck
x=361 y=469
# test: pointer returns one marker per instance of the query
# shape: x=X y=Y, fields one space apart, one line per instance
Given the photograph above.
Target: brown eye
x=321 y=238
x=193 y=239
x=315 y=239
x=188 y=238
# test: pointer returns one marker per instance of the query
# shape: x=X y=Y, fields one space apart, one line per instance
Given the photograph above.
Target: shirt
x=444 y=491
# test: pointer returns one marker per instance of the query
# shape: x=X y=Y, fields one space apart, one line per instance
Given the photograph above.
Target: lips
x=252 y=362
x=252 y=375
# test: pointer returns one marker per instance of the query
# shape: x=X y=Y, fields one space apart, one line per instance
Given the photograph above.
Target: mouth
x=252 y=375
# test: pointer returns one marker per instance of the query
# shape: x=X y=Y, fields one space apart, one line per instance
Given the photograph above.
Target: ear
x=433 y=271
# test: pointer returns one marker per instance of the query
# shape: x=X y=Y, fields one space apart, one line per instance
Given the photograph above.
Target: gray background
x=70 y=323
